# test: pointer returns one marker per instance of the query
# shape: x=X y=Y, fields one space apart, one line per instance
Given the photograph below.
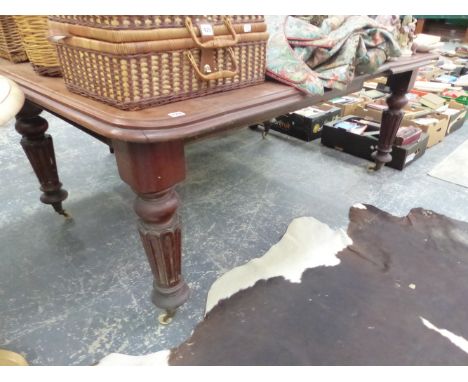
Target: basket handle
x=216 y=75
x=215 y=43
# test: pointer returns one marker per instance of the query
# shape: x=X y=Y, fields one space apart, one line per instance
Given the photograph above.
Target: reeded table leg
x=39 y=149
x=153 y=170
x=392 y=117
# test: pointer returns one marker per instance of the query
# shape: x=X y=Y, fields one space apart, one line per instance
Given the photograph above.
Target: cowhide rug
x=390 y=291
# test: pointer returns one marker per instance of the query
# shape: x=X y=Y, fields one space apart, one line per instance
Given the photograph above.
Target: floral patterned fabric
x=340 y=48
x=283 y=64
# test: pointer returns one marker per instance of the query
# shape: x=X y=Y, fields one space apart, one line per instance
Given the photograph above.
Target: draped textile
x=312 y=58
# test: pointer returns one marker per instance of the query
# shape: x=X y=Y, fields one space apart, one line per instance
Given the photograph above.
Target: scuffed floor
x=72 y=292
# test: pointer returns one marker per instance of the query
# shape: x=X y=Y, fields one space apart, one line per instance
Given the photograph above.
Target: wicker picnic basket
x=11 y=46
x=135 y=62
x=41 y=53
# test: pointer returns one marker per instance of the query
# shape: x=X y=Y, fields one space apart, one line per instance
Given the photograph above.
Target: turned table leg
x=161 y=234
x=267 y=127
x=392 y=117
x=153 y=170
x=39 y=149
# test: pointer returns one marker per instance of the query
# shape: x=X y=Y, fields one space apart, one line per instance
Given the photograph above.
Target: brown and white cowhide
x=392 y=291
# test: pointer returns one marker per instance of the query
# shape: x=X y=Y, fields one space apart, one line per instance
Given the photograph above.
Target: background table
x=149 y=146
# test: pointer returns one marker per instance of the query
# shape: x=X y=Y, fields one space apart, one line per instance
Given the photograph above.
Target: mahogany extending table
x=149 y=146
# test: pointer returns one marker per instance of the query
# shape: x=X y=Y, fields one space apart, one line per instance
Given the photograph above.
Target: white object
x=308 y=111
x=161 y=358
x=462 y=81
x=453 y=168
x=427 y=39
x=458 y=341
x=450 y=112
x=11 y=100
x=426 y=121
x=307 y=243
x=448 y=66
x=206 y=30
x=431 y=86
x=176 y=114
x=426 y=42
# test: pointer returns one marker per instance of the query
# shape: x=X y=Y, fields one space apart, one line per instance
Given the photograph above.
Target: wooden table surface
x=203 y=115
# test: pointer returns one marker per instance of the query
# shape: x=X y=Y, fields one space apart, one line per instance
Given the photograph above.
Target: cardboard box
x=431 y=86
x=375 y=113
x=307 y=123
x=363 y=146
x=382 y=88
x=407 y=135
x=432 y=101
x=373 y=84
x=435 y=125
x=348 y=104
x=457 y=115
x=430 y=72
x=374 y=94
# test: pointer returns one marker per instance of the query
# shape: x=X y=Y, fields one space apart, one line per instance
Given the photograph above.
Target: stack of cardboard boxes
x=437 y=107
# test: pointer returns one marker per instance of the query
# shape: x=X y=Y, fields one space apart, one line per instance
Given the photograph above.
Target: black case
x=363 y=146
x=305 y=128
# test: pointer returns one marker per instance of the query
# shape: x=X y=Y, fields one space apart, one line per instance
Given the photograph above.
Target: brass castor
x=9 y=358
x=166 y=317
x=371 y=167
x=375 y=167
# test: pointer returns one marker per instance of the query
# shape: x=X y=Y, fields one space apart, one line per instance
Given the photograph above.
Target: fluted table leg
x=392 y=117
x=153 y=170
x=161 y=235
x=39 y=149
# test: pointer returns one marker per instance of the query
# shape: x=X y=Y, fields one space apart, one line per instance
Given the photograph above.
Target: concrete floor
x=73 y=291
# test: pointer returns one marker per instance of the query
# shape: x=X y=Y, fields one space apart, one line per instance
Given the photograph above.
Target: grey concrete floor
x=73 y=291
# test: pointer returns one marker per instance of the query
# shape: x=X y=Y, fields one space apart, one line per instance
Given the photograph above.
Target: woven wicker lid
x=149 y=21
x=99 y=31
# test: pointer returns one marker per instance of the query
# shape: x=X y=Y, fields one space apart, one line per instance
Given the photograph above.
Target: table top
x=202 y=116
